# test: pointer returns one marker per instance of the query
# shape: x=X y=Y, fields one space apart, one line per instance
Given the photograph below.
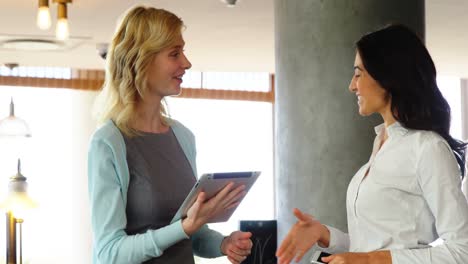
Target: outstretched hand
x=347 y=258
x=380 y=256
x=237 y=246
x=203 y=210
x=301 y=237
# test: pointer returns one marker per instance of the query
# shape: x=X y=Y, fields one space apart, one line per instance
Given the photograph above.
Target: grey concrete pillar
x=321 y=141
x=464 y=123
x=464 y=108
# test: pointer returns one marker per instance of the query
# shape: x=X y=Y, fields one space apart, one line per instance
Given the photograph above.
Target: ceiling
x=218 y=38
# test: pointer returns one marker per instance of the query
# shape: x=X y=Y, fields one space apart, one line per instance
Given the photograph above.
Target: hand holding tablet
x=215 y=197
x=204 y=209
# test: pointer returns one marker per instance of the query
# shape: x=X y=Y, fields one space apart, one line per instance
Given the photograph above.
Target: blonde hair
x=142 y=33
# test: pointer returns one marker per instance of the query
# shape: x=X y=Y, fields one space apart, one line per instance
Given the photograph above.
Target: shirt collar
x=394 y=129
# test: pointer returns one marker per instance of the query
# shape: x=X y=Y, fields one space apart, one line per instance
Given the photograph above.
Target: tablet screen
x=231 y=175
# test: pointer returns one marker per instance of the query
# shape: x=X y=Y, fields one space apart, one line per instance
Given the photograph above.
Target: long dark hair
x=398 y=60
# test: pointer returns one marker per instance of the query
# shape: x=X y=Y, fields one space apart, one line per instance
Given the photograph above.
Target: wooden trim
x=226 y=95
x=272 y=87
x=92 y=80
x=80 y=84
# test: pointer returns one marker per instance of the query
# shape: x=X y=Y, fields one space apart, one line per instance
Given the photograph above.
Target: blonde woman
x=142 y=163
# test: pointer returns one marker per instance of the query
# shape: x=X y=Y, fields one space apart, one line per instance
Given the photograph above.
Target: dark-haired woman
x=409 y=193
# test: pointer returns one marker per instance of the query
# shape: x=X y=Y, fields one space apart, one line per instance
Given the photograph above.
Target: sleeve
x=339 y=241
x=465 y=187
x=206 y=243
x=439 y=180
x=108 y=217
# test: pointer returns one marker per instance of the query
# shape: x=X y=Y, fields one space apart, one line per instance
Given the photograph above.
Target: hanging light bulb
x=16 y=204
x=18 y=201
x=43 y=15
x=61 y=31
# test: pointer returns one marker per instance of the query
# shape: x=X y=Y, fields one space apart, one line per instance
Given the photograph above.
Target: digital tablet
x=317 y=257
x=211 y=184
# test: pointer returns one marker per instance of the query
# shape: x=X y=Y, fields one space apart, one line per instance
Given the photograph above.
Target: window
x=451 y=90
x=233 y=136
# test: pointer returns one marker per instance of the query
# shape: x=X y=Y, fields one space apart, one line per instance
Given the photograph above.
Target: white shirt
x=410 y=197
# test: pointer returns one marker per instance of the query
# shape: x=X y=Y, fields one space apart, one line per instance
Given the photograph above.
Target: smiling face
x=167 y=68
x=372 y=98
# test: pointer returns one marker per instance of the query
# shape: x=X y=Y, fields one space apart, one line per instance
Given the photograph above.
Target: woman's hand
x=302 y=236
x=237 y=246
x=380 y=257
x=203 y=210
x=347 y=258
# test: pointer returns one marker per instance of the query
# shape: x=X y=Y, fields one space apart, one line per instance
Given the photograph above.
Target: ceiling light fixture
x=61 y=30
x=31 y=44
x=12 y=126
x=230 y=3
x=43 y=15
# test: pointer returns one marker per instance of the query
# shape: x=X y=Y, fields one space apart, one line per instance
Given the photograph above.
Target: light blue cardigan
x=108 y=180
